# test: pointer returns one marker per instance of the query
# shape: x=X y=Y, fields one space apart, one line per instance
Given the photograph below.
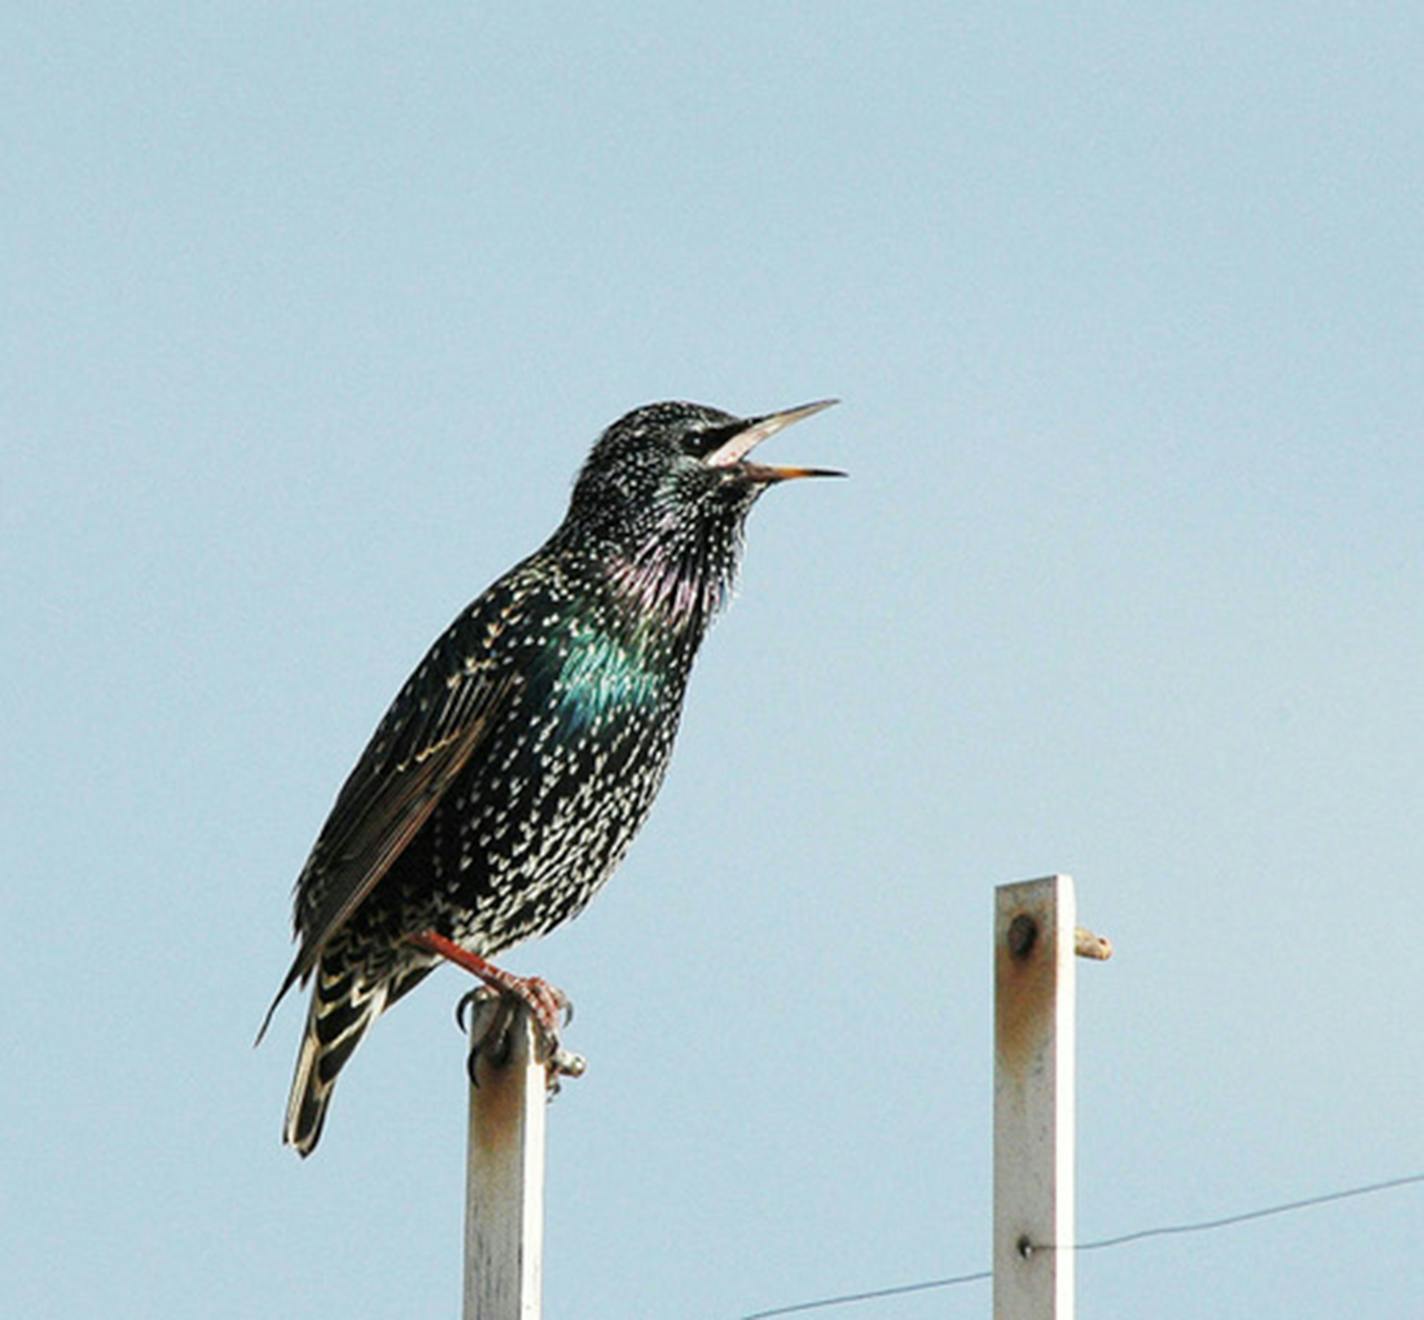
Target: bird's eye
x=701 y=443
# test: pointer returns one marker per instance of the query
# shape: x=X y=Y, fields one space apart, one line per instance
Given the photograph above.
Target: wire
x=1098 y=1244
x=1203 y=1225
x=867 y=1296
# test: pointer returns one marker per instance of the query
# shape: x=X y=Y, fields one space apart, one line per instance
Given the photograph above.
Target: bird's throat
x=680 y=593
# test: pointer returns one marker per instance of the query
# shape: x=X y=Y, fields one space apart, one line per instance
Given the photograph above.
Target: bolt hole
x=1023 y=935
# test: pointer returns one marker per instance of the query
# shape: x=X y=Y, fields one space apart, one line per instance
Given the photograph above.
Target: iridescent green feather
x=602 y=673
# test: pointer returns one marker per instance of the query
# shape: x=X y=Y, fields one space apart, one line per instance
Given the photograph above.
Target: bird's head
x=676 y=468
x=666 y=490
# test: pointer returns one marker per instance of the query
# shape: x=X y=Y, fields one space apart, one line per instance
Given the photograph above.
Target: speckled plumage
x=513 y=769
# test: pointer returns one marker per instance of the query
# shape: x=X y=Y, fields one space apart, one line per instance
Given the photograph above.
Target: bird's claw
x=490 y=1014
x=551 y=1007
x=469 y=1004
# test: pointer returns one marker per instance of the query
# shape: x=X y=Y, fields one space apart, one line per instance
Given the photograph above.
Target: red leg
x=546 y=1002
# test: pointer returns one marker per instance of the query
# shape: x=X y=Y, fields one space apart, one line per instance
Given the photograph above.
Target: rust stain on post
x=1023 y=988
x=501 y=1102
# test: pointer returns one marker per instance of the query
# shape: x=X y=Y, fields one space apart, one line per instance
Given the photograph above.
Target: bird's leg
x=550 y=1006
x=548 y=1003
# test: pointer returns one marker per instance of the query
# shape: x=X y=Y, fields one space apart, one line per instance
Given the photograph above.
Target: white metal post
x=504 y=1190
x=1035 y=939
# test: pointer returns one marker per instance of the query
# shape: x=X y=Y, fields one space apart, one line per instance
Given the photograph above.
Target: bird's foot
x=491 y=1008
x=491 y=1015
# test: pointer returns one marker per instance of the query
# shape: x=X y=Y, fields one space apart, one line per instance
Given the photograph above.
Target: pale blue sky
x=311 y=312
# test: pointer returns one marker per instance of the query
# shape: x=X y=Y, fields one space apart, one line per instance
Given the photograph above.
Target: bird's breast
x=601 y=676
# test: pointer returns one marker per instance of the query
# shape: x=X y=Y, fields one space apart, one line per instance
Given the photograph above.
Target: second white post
x=1034 y=1013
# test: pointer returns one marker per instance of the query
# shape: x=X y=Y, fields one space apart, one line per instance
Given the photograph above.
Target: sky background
x=311 y=312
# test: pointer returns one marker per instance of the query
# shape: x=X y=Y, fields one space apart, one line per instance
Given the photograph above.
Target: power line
x=867 y=1296
x=1203 y=1225
x=1098 y=1244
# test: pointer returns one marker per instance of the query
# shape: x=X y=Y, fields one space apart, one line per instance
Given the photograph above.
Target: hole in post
x=1023 y=935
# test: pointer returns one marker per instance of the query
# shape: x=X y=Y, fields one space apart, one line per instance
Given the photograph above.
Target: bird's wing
x=433 y=728
x=412 y=759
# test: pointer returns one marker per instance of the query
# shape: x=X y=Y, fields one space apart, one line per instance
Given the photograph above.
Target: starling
x=510 y=774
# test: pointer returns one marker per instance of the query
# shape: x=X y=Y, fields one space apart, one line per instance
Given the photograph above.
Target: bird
x=511 y=772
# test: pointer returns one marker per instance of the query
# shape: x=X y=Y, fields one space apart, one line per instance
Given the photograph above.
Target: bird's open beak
x=757 y=429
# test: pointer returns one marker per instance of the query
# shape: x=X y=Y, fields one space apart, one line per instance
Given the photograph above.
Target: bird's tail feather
x=343 y=1009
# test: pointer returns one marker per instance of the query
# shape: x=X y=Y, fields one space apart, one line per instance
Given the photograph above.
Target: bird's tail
x=343 y=1009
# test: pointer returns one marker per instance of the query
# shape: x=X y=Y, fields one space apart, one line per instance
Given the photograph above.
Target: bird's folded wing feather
x=413 y=757
x=398 y=781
